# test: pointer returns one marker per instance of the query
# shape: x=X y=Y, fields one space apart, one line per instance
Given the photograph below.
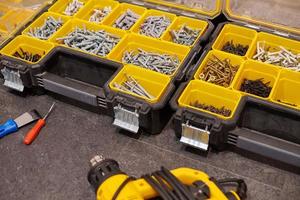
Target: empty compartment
x=276 y=50
x=231 y=36
x=134 y=45
x=97 y=11
x=193 y=28
x=141 y=83
x=221 y=74
x=76 y=33
x=14 y=18
x=256 y=79
x=55 y=21
x=27 y=49
x=125 y=16
x=148 y=27
x=286 y=89
x=68 y=7
x=211 y=99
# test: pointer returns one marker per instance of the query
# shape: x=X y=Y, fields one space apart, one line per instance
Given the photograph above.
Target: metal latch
x=195 y=137
x=126 y=119
x=12 y=79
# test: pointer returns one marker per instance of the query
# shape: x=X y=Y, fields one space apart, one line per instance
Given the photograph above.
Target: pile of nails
x=126 y=20
x=27 y=56
x=99 y=14
x=237 y=49
x=219 y=72
x=256 y=87
x=132 y=85
x=281 y=57
x=162 y=63
x=95 y=42
x=50 y=26
x=155 y=26
x=185 y=35
x=220 y=111
x=73 y=7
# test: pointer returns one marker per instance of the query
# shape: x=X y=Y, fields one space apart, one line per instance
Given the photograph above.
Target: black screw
x=256 y=87
x=237 y=49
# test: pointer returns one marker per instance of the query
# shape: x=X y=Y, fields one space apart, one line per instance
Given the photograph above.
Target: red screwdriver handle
x=34 y=132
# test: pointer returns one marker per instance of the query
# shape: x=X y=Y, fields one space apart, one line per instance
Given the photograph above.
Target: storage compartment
x=182 y=22
x=235 y=35
x=14 y=18
x=24 y=44
x=217 y=74
x=68 y=7
x=39 y=23
x=151 y=85
x=93 y=5
x=255 y=71
x=120 y=12
x=286 y=89
x=199 y=92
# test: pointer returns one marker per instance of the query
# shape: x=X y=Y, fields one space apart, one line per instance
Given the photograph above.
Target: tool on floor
x=34 y=132
x=11 y=125
x=111 y=183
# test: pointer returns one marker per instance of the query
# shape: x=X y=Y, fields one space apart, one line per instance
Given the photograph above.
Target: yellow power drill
x=111 y=183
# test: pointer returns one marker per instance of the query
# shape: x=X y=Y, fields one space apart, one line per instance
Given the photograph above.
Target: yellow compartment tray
x=61 y=5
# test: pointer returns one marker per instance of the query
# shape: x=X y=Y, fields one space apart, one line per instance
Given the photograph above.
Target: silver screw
x=99 y=14
x=155 y=26
x=73 y=7
x=185 y=35
x=126 y=20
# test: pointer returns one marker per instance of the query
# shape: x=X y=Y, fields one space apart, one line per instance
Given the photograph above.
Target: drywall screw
x=256 y=87
x=221 y=111
x=27 y=56
x=237 y=49
x=162 y=63
x=73 y=7
x=95 y=42
x=99 y=14
x=185 y=35
x=49 y=27
x=126 y=20
x=155 y=26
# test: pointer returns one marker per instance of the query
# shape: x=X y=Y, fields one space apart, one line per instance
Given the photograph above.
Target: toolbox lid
x=277 y=15
x=194 y=8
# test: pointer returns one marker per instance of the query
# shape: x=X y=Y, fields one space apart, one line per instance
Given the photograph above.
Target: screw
x=237 y=49
x=27 y=56
x=185 y=35
x=155 y=26
x=73 y=7
x=256 y=87
x=126 y=20
x=221 y=111
x=99 y=14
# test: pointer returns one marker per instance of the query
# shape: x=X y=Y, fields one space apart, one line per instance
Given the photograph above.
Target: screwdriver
x=34 y=132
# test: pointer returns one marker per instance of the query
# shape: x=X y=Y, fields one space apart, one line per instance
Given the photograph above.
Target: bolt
x=126 y=20
x=155 y=26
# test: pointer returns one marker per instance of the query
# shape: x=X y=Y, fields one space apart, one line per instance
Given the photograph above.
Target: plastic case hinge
x=12 y=79
x=195 y=137
x=126 y=119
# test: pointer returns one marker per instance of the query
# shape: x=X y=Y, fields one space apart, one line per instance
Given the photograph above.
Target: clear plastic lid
x=210 y=8
x=278 y=14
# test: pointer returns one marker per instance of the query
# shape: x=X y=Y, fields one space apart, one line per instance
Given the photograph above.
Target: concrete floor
x=55 y=166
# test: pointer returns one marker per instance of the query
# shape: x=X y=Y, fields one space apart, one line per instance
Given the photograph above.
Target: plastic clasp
x=195 y=137
x=12 y=79
x=126 y=119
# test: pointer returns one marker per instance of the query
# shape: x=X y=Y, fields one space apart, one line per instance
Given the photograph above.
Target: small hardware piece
x=155 y=26
x=132 y=85
x=126 y=20
x=99 y=14
x=219 y=72
x=220 y=111
x=185 y=35
x=162 y=63
x=50 y=26
x=279 y=56
x=95 y=42
x=237 y=49
x=27 y=56
x=73 y=7
x=256 y=87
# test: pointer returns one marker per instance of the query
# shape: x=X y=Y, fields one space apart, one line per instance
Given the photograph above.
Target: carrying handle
x=8 y=127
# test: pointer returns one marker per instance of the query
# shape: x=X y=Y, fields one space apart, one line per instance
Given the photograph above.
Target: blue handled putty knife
x=11 y=125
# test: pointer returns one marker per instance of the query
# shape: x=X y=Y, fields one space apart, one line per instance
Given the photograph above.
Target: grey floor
x=55 y=166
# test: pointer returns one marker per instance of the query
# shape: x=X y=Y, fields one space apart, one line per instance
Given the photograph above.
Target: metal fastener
x=73 y=7
x=126 y=20
x=155 y=26
x=31 y=57
x=256 y=87
x=185 y=35
x=237 y=49
x=221 y=111
x=99 y=14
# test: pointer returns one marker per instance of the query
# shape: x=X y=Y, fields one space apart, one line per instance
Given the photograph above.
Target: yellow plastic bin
x=61 y=5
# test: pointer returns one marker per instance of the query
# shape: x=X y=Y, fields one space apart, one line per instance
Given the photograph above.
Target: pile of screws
x=50 y=26
x=155 y=26
x=219 y=72
x=281 y=57
x=132 y=85
x=220 y=111
x=162 y=63
x=126 y=20
x=73 y=7
x=95 y=42
x=99 y=14
x=237 y=49
x=27 y=56
x=256 y=87
x=185 y=35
